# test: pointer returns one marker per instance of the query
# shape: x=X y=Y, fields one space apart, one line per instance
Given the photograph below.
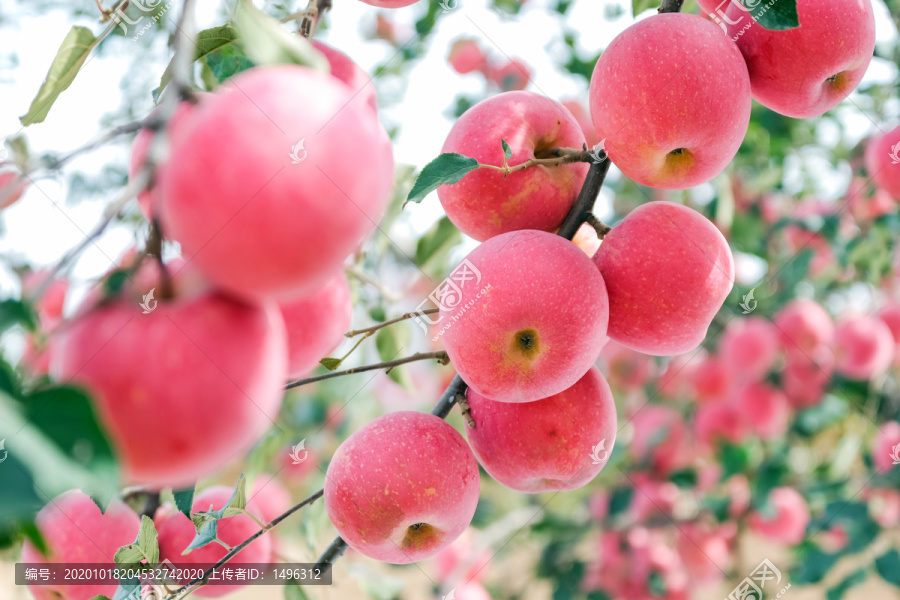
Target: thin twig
x=403 y=317
x=189 y=586
x=311 y=16
x=554 y=157
x=440 y=356
x=599 y=226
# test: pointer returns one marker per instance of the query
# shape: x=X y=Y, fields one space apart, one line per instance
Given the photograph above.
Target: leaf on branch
x=129 y=554
x=390 y=342
x=331 y=363
x=445 y=169
x=206 y=535
x=147 y=542
x=267 y=42
x=70 y=57
x=434 y=247
x=639 y=6
x=507 y=151
x=779 y=15
x=838 y=591
x=184 y=500
x=129 y=589
x=888 y=566
x=208 y=41
x=17 y=312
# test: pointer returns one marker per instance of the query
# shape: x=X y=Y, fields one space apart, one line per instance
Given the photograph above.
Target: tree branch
x=670 y=6
x=311 y=16
x=440 y=356
x=403 y=317
x=584 y=204
x=554 y=157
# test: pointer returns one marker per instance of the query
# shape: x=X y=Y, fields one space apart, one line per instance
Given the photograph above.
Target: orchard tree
x=689 y=389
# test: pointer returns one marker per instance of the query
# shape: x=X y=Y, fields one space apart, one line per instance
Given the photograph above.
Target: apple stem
x=670 y=6
x=310 y=17
x=439 y=356
x=403 y=317
x=599 y=226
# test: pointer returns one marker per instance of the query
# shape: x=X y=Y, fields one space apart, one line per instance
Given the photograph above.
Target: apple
x=263 y=215
x=704 y=550
x=486 y=203
x=806 y=71
x=627 y=369
x=531 y=323
x=175 y=533
x=558 y=443
x=466 y=56
x=884 y=506
x=316 y=324
x=463 y=560
x=791 y=516
x=886 y=447
x=511 y=75
x=75 y=531
x=806 y=328
x=350 y=73
x=864 y=347
x=660 y=438
x=804 y=381
x=667 y=270
x=883 y=168
x=713 y=379
x=719 y=421
x=402 y=488
x=182 y=389
x=584 y=121
x=11 y=187
x=764 y=408
x=671 y=97
x=750 y=346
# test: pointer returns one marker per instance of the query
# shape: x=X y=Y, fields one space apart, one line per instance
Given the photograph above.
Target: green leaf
x=813 y=567
x=129 y=554
x=268 y=42
x=639 y=6
x=228 y=61
x=71 y=55
x=147 y=542
x=445 y=169
x=184 y=500
x=435 y=245
x=779 y=15
x=207 y=42
x=390 y=342
x=888 y=566
x=620 y=500
x=206 y=535
x=838 y=591
x=813 y=420
x=331 y=363
x=129 y=589
x=735 y=459
x=294 y=591
x=17 y=312
x=507 y=151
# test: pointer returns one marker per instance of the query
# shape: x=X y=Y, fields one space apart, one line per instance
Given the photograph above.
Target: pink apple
x=316 y=324
x=350 y=73
x=806 y=328
x=175 y=533
x=660 y=438
x=884 y=506
x=260 y=190
x=665 y=65
x=558 y=443
x=12 y=186
x=705 y=550
x=791 y=516
x=511 y=75
x=75 y=531
x=886 y=447
x=750 y=347
x=466 y=56
x=402 y=488
x=806 y=71
x=883 y=161
x=203 y=374
x=713 y=379
x=764 y=408
x=628 y=370
x=667 y=270
x=864 y=347
x=532 y=323
x=486 y=203
x=805 y=381
x=719 y=421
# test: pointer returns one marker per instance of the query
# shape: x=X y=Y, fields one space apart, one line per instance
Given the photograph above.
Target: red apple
x=511 y=75
x=402 y=488
x=806 y=71
x=558 y=443
x=533 y=321
x=667 y=270
x=883 y=161
x=713 y=379
x=806 y=328
x=864 y=347
x=11 y=187
x=665 y=65
x=262 y=214
x=750 y=346
x=347 y=71
x=316 y=324
x=202 y=377
x=788 y=525
x=486 y=203
x=764 y=408
x=466 y=56
x=75 y=531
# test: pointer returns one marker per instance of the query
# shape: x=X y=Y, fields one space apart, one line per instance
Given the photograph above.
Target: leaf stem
x=440 y=356
x=403 y=317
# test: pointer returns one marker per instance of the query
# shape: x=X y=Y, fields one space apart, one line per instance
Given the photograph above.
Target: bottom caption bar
x=173 y=575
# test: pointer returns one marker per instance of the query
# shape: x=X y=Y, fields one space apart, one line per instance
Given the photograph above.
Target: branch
x=403 y=317
x=440 y=356
x=189 y=586
x=584 y=204
x=554 y=157
x=311 y=16
x=670 y=6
